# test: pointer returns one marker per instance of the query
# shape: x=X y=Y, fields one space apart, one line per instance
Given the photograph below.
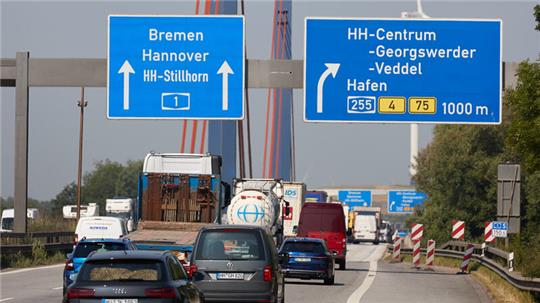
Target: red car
x=325 y=221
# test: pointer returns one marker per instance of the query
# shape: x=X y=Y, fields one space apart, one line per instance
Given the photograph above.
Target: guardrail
x=12 y=243
x=482 y=253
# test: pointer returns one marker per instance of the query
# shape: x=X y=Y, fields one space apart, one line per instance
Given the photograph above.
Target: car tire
x=329 y=280
x=376 y=242
x=342 y=265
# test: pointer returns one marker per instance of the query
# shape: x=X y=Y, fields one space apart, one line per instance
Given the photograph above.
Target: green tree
x=100 y=183
x=127 y=182
x=68 y=196
x=537 y=16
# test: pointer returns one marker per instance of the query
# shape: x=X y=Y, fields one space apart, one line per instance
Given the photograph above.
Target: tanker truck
x=257 y=202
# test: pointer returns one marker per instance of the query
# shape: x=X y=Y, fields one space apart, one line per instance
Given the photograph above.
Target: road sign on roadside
x=500 y=229
x=402 y=70
x=404 y=201
x=175 y=67
x=355 y=197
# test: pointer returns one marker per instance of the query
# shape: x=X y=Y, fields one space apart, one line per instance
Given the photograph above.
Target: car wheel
x=329 y=280
x=342 y=265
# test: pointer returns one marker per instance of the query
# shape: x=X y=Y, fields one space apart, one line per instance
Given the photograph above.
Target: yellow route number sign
x=422 y=105
x=391 y=105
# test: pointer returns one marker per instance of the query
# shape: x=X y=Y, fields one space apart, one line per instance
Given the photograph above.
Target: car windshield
x=230 y=245
x=121 y=270
x=305 y=247
x=7 y=223
x=83 y=249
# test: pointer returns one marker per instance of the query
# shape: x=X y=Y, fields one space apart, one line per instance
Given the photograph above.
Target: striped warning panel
x=397 y=249
x=467 y=257
x=416 y=253
x=488 y=232
x=430 y=254
x=458 y=230
x=417 y=231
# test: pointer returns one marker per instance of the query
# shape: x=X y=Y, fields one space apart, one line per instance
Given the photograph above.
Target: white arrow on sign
x=331 y=68
x=392 y=204
x=126 y=69
x=225 y=70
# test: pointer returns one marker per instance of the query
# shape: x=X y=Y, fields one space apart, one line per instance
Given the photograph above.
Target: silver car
x=237 y=264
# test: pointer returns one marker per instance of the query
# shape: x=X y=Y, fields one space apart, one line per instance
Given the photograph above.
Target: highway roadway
x=366 y=280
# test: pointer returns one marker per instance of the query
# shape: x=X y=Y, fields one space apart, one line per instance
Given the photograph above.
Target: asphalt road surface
x=365 y=280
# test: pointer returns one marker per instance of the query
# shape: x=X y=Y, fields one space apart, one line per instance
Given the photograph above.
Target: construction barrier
x=397 y=249
x=467 y=257
x=458 y=230
x=417 y=232
x=488 y=232
x=416 y=253
x=430 y=253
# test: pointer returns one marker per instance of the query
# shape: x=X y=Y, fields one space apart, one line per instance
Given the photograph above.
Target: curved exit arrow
x=225 y=70
x=331 y=68
x=126 y=69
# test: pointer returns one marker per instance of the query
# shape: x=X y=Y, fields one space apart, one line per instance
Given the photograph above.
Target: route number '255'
x=361 y=105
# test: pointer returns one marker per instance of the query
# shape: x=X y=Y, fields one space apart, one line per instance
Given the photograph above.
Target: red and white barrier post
x=488 y=232
x=430 y=254
x=397 y=249
x=458 y=230
x=416 y=253
x=417 y=231
x=467 y=258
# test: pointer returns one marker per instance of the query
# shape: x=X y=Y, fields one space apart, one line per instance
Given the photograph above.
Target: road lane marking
x=29 y=269
x=6 y=299
x=360 y=291
x=57 y=288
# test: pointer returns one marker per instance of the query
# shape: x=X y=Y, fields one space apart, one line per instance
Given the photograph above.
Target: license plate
x=302 y=259
x=230 y=276
x=119 y=300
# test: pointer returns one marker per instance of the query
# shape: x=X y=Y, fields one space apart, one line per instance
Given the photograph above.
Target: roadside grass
x=500 y=290
x=51 y=224
x=38 y=257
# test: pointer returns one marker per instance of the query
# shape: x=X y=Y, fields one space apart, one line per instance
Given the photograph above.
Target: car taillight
x=267 y=273
x=192 y=270
x=69 y=265
x=165 y=292
x=74 y=293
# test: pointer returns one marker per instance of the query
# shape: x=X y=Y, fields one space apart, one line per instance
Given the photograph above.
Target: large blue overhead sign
x=175 y=67
x=399 y=71
x=404 y=201
x=355 y=197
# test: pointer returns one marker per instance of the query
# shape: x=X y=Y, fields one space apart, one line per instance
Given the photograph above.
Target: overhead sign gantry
x=175 y=67
x=403 y=71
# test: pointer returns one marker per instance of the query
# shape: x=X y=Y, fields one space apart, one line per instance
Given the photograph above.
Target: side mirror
x=295 y=229
x=334 y=253
x=69 y=255
x=287 y=210
x=283 y=258
x=73 y=277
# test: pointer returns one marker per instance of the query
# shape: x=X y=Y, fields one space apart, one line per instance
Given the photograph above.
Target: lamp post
x=82 y=104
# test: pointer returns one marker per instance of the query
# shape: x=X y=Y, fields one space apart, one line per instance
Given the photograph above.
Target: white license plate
x=230 y=276
x=119 y=300
x=302 y=259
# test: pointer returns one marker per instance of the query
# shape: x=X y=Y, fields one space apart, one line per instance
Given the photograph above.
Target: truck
x=8 y=216
x=257 y=202
x=364 y=224
x=122 y=208
x=316 y=196
x=294 y=195
x=178 y=194
x=88 y=210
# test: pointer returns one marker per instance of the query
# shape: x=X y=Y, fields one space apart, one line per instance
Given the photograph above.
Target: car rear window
x=305 y=247
x=121 y=270
x=230 y=245
x=84 y=249
x=329 y=220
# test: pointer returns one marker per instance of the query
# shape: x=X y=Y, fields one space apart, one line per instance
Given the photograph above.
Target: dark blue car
x=307 y=258
x=84 y=247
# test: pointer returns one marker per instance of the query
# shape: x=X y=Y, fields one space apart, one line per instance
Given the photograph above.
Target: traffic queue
x=192 y=243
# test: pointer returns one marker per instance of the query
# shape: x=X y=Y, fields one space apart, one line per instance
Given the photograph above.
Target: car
x=86 y=246
x=307 y=258
x=100 y=228
x=132 y=276
x=325 y=221
x=237 y=263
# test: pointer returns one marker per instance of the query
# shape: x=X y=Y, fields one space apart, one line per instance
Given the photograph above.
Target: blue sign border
x=181 y=16
x=405 y=19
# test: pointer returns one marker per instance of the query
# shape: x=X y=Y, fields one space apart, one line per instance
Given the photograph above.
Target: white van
x=365 y=227
x=8 y=216
x=100 y=228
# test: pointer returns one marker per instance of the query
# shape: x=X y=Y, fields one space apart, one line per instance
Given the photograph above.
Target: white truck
x=257 y=202
x=294 y=194
x=122 y=208
x=88 y=210
x=8 y=216
x=365 y=224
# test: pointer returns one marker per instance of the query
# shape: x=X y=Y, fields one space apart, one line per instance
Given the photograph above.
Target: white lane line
x=29 y=269
x=6 y=299
x=57 y=288
x=360 y=291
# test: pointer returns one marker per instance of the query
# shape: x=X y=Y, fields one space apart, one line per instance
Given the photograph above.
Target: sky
x=353 y=155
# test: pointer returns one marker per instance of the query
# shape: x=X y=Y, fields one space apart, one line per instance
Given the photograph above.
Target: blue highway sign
x=175 y=67
x=404 y=201
x=500 y=229
x=403 y=71
x=355 y=197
